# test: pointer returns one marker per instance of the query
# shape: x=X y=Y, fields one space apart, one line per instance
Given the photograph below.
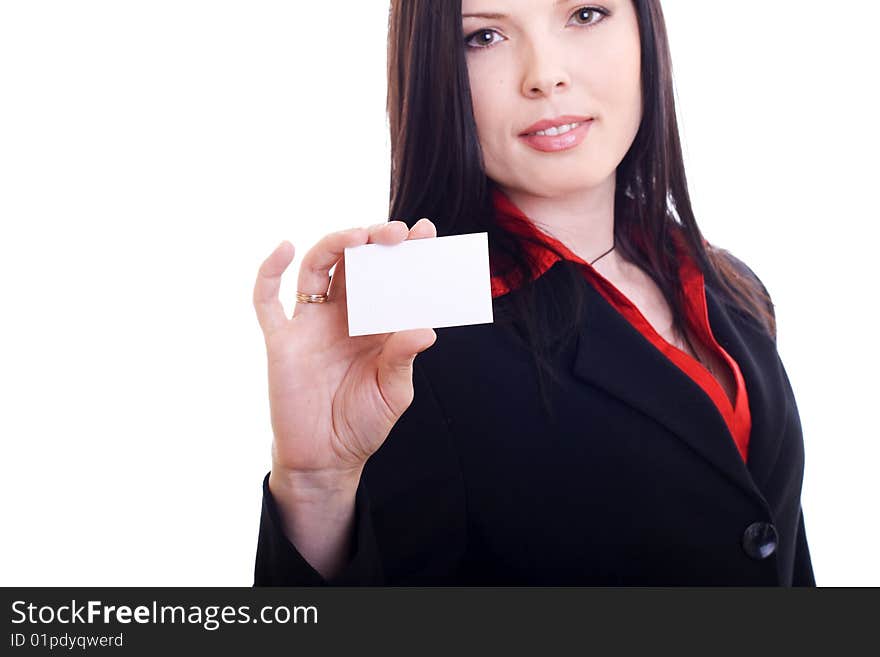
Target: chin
x=544 y=183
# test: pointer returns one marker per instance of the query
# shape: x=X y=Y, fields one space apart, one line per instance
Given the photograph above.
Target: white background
x=152 y=154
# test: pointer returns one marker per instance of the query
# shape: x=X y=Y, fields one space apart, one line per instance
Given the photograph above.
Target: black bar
x=413 y=620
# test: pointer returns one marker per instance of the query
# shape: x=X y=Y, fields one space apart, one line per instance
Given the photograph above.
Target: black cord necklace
x=684 y=333
x=606 y=253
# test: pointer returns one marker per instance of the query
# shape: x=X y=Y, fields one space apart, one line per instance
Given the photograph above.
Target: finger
x=422 y=229
x=336 y=290
x=314 y=271
x=394 y=375
x=270 y=312
x=389 y=232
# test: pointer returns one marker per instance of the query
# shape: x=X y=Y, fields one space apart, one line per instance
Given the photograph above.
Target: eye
x=590 y=12
x=480 y=33
x=586 y=14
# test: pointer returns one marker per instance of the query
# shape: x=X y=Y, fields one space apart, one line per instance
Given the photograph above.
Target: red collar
x=737 y=416
x=513 y=220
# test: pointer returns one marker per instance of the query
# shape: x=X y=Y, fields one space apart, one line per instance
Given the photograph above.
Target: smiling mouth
x=553 y=132
x=558 y=139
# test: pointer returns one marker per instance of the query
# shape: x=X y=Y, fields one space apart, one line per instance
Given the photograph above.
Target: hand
x=333 y=398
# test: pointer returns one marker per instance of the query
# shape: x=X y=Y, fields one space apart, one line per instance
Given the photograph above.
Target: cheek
x=626 y=66
x=492 y=121
x=616 y=87
x=616 y=69
x=485 y=103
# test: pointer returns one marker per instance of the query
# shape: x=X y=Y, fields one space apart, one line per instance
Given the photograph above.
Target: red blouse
x=737 y=415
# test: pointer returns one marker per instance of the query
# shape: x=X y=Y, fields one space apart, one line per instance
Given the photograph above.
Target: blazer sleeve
x=803 y=565
x=409 y=510
x=279 y=563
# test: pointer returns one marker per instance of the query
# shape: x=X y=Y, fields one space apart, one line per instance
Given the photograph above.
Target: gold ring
x=302 y=297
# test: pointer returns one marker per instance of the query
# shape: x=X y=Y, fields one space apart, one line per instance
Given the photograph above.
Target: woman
x=625 y=420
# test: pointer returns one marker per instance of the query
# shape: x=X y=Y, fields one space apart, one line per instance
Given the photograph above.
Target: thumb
x=396 y=365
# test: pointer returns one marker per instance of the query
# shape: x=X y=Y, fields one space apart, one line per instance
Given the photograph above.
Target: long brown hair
x=437 y=172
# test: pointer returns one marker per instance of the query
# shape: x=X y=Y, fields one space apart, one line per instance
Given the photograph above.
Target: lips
x=561 y=142
x=546 y=124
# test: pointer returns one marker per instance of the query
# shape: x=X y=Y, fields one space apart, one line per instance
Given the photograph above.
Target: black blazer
x=639 y=482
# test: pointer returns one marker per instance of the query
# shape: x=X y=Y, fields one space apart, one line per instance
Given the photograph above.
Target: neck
x=583 y=220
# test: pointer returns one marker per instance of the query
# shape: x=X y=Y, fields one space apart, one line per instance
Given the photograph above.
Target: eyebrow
x=496 y=16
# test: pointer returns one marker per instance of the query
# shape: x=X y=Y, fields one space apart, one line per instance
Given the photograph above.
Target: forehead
x=497 y=9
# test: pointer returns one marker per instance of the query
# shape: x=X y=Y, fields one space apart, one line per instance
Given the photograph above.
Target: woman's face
x=546 y=59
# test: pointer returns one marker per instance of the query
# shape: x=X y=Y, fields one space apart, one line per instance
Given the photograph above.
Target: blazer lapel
x=614 y=356
x=756 y=355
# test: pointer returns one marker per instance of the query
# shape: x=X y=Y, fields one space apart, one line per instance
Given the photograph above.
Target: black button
x=760 y=540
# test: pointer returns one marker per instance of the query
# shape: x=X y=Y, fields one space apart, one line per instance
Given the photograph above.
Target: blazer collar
x=612 y=355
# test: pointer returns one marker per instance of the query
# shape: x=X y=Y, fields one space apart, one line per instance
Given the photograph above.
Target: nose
x=545 y=72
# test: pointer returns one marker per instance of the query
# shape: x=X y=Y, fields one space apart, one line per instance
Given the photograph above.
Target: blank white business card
x=422 y=283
